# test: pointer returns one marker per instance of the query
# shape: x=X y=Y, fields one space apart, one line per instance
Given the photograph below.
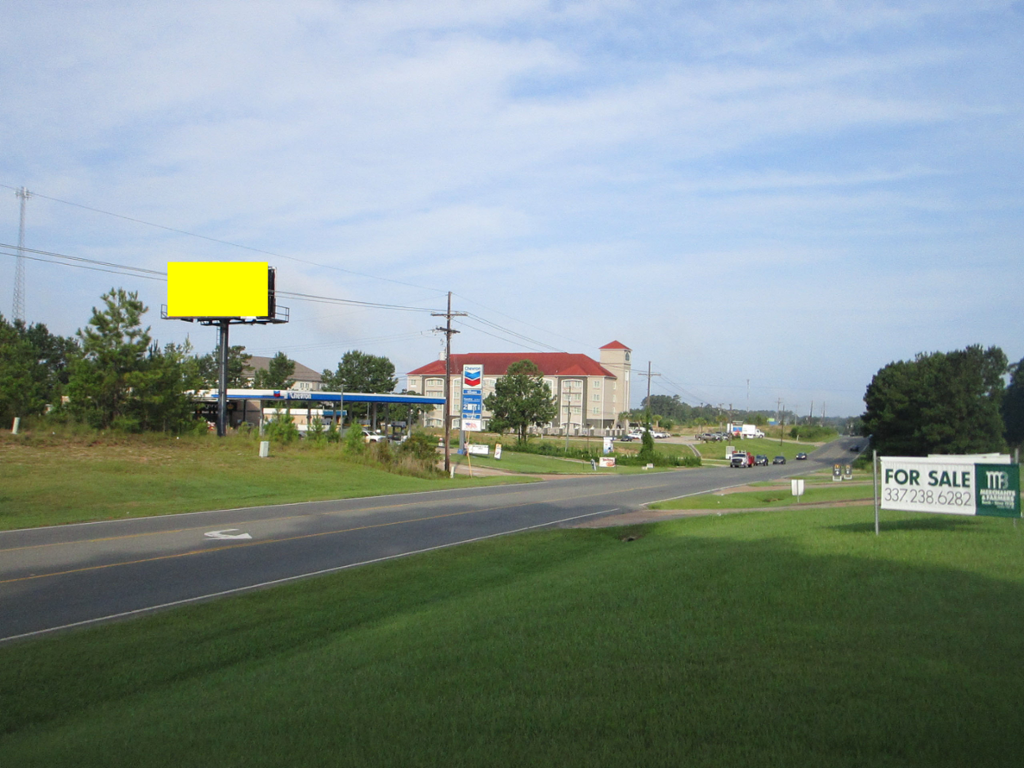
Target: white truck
x=744 y=431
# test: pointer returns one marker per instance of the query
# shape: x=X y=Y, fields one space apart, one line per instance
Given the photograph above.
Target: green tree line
x=112 y=374
x=946 y=402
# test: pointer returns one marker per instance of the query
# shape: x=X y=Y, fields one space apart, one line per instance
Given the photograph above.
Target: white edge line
x=287 y=579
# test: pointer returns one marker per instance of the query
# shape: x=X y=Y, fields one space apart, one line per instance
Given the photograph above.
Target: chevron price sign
x=472 y=398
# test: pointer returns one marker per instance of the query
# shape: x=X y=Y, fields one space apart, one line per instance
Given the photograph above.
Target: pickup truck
x=741 y=459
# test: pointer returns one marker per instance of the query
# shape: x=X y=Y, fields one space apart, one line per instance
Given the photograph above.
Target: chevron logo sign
x=472 y=376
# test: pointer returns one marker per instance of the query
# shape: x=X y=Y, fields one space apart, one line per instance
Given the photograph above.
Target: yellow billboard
x=217 y=289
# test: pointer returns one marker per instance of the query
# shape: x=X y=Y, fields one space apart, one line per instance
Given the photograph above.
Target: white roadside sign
x=960 y=485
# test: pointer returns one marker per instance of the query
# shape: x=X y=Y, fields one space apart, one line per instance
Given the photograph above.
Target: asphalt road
x=62 y=577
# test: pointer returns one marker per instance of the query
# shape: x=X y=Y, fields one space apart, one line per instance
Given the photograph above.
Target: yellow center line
x=257 y=521
x=239 y=544
x=204 y=527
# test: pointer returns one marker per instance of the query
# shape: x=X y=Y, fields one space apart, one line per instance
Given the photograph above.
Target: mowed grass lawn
x=67 y=480
x=760 y=639
x=775 y=495
x=532 y=463
x=760 y=445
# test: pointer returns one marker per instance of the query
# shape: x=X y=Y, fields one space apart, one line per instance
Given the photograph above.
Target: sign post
x=798 y=489
x=222 y=293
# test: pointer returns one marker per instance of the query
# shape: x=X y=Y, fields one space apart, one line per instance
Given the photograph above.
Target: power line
x=52 y=254
x=351 y=302
x=306 y=297
x=152 y=274
x=225 y=242
x=92 y=269
x=511 y=336
x=530 y=325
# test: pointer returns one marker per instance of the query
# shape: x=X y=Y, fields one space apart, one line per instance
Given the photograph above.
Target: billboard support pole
x=222 y=395
x=874 y=484
x=184 y=302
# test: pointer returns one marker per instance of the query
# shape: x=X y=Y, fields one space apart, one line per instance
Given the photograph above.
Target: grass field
x=65 y=480
x=531 y=463
x=767 y=446
x=762 y=639
x=774 y=494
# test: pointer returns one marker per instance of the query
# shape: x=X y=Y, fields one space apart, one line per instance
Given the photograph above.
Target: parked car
x=373 y=437
x=801 y=456
x=760 y=460
x=779 y=460
x=625 y=438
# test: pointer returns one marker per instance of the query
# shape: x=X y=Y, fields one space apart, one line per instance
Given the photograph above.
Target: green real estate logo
x=997 y=490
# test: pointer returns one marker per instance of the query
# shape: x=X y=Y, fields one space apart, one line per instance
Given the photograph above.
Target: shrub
x=420 y=446
x=282 y=428
x=812 y=433
x=316 y=433
x=659 y=460
x=551 y=449
x=647 y=453
x=355 y=443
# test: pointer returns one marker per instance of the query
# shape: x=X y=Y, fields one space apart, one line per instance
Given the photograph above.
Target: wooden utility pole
x=649 y=375
x=448 y=331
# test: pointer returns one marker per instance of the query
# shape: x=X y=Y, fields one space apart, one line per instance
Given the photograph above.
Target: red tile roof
x=497 y=363
x=616 y=345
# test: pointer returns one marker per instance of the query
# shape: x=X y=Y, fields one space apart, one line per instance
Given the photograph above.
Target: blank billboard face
x=217 y=289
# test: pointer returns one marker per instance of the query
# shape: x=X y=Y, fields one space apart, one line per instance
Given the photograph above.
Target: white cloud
x=598 y=169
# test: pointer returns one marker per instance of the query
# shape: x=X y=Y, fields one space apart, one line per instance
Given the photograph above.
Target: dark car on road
x=760 y=460
x=779 y=460
x=801 y=456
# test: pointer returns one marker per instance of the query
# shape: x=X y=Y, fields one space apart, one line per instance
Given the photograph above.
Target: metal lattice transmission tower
x=18 y=312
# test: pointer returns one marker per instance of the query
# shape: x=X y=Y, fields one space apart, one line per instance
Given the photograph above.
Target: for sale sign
x=998 y=490
x=959 y=485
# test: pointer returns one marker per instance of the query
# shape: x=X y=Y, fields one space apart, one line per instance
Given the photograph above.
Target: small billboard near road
x=986 y=484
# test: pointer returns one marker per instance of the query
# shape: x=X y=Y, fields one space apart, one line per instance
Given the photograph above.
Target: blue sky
x=790 y=193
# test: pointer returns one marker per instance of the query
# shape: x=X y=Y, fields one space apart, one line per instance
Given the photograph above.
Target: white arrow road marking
x=227 y=534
